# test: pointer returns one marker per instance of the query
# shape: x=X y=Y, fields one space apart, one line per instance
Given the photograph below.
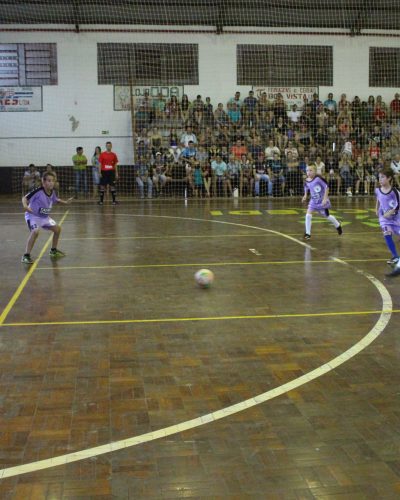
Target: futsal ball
x=204 y=278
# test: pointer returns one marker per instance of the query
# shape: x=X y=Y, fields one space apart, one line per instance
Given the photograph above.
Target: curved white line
x=377 y=329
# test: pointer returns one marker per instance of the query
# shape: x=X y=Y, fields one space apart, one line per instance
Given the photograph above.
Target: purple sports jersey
x=389 y=201
x=317 y=188
x=40 y=202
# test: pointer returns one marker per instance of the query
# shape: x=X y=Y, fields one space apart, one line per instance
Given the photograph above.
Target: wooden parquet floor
x=121 y=379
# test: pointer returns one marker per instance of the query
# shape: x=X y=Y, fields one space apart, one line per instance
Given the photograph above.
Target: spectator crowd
x=254 y=146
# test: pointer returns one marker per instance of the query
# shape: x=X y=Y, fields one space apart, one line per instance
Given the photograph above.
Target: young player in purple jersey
x=319 y=201
x=387 y=210
x=38 y=204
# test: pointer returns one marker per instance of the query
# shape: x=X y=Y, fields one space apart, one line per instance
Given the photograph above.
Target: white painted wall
x=42 y=137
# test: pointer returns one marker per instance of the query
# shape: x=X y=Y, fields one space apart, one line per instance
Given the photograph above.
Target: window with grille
x=148 y=63
x=28 y=64
x=384 y=67
x=276 y=65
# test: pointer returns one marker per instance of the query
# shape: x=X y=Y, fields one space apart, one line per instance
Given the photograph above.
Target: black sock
x=113 y=195
x=27 y=254
x=53 y=249
x=101 y=196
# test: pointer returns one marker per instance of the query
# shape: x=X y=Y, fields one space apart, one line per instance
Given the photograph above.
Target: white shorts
x=35 y=222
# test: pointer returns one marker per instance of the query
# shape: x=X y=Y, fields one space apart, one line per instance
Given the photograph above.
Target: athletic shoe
x=100 y=203
x=393 y=261
x=339 y=230
x=27 y=259
x=395 y=272
x=55 y=254
x=115 y=202
x=307 y=236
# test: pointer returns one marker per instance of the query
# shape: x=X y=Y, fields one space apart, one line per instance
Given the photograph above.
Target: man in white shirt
x=294 y=114
x=187 y=137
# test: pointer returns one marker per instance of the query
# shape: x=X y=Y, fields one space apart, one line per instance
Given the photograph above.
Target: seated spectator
x=155 y=139
x=234 y=115
x=321 y=140
x=160 y=172
x=142 y=118
x=275 y=172
x=158 y=107
x=220 y=117
x=319 y=166
x=332 y=173
x=189 y=153
x=291 y=148
x=266 y=123
x=173 y=110
x=186 y=109
x=188 y=136
x=238 y=149
x=355 y=107
x=143 y=177
x=255 y=147
x=219 y=174
x=330 y=104
x=271 y=149
x=379 y=113
x=224 y=137
x=361 y=176
x=31 y=179
x=382 y=104
x=207 y=176
x=395 y=107
x=142 y=149
x=260 y=170
x=294 y=115
x=321 y=117
x=173 y=139
x=374 y=150
x=198 y=119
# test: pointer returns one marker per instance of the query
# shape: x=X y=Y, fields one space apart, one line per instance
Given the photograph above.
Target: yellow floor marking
x=205 y=318
x=25 y=280
x=385 y=315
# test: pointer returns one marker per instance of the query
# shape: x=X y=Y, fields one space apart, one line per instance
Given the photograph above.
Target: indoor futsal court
x=121 y=378
x=200 y=250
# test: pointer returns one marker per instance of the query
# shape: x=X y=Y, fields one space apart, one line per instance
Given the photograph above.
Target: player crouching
x=38 y=204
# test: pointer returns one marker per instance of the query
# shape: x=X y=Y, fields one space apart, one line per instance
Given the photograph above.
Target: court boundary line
x=26 y=278
x=204 y=318
x=212 y=417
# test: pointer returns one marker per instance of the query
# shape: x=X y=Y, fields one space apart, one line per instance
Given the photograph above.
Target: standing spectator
x=108 y=173
x=208 y=113
x=234 y=177
x=345 y=170
x=395 y=107
x=275 y=172
x=155 y=140
x=96 y=167
x=249 y=110
x=79 y=161
x=219 y=171
x=31 y=179
x=186 y=108
x=234 y=115
x=330 y=104
x=279 y=107
x=143 y=176
x=235 y=100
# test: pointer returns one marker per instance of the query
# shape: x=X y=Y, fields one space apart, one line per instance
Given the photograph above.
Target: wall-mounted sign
x=21 y=99
x=122 y=99
x=291 y=95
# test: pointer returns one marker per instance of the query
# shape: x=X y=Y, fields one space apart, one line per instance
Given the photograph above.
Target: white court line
x=377 y=329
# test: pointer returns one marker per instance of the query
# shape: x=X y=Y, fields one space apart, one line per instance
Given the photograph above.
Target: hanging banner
x=21 y=99
x=122 y=99
x=291 y=95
